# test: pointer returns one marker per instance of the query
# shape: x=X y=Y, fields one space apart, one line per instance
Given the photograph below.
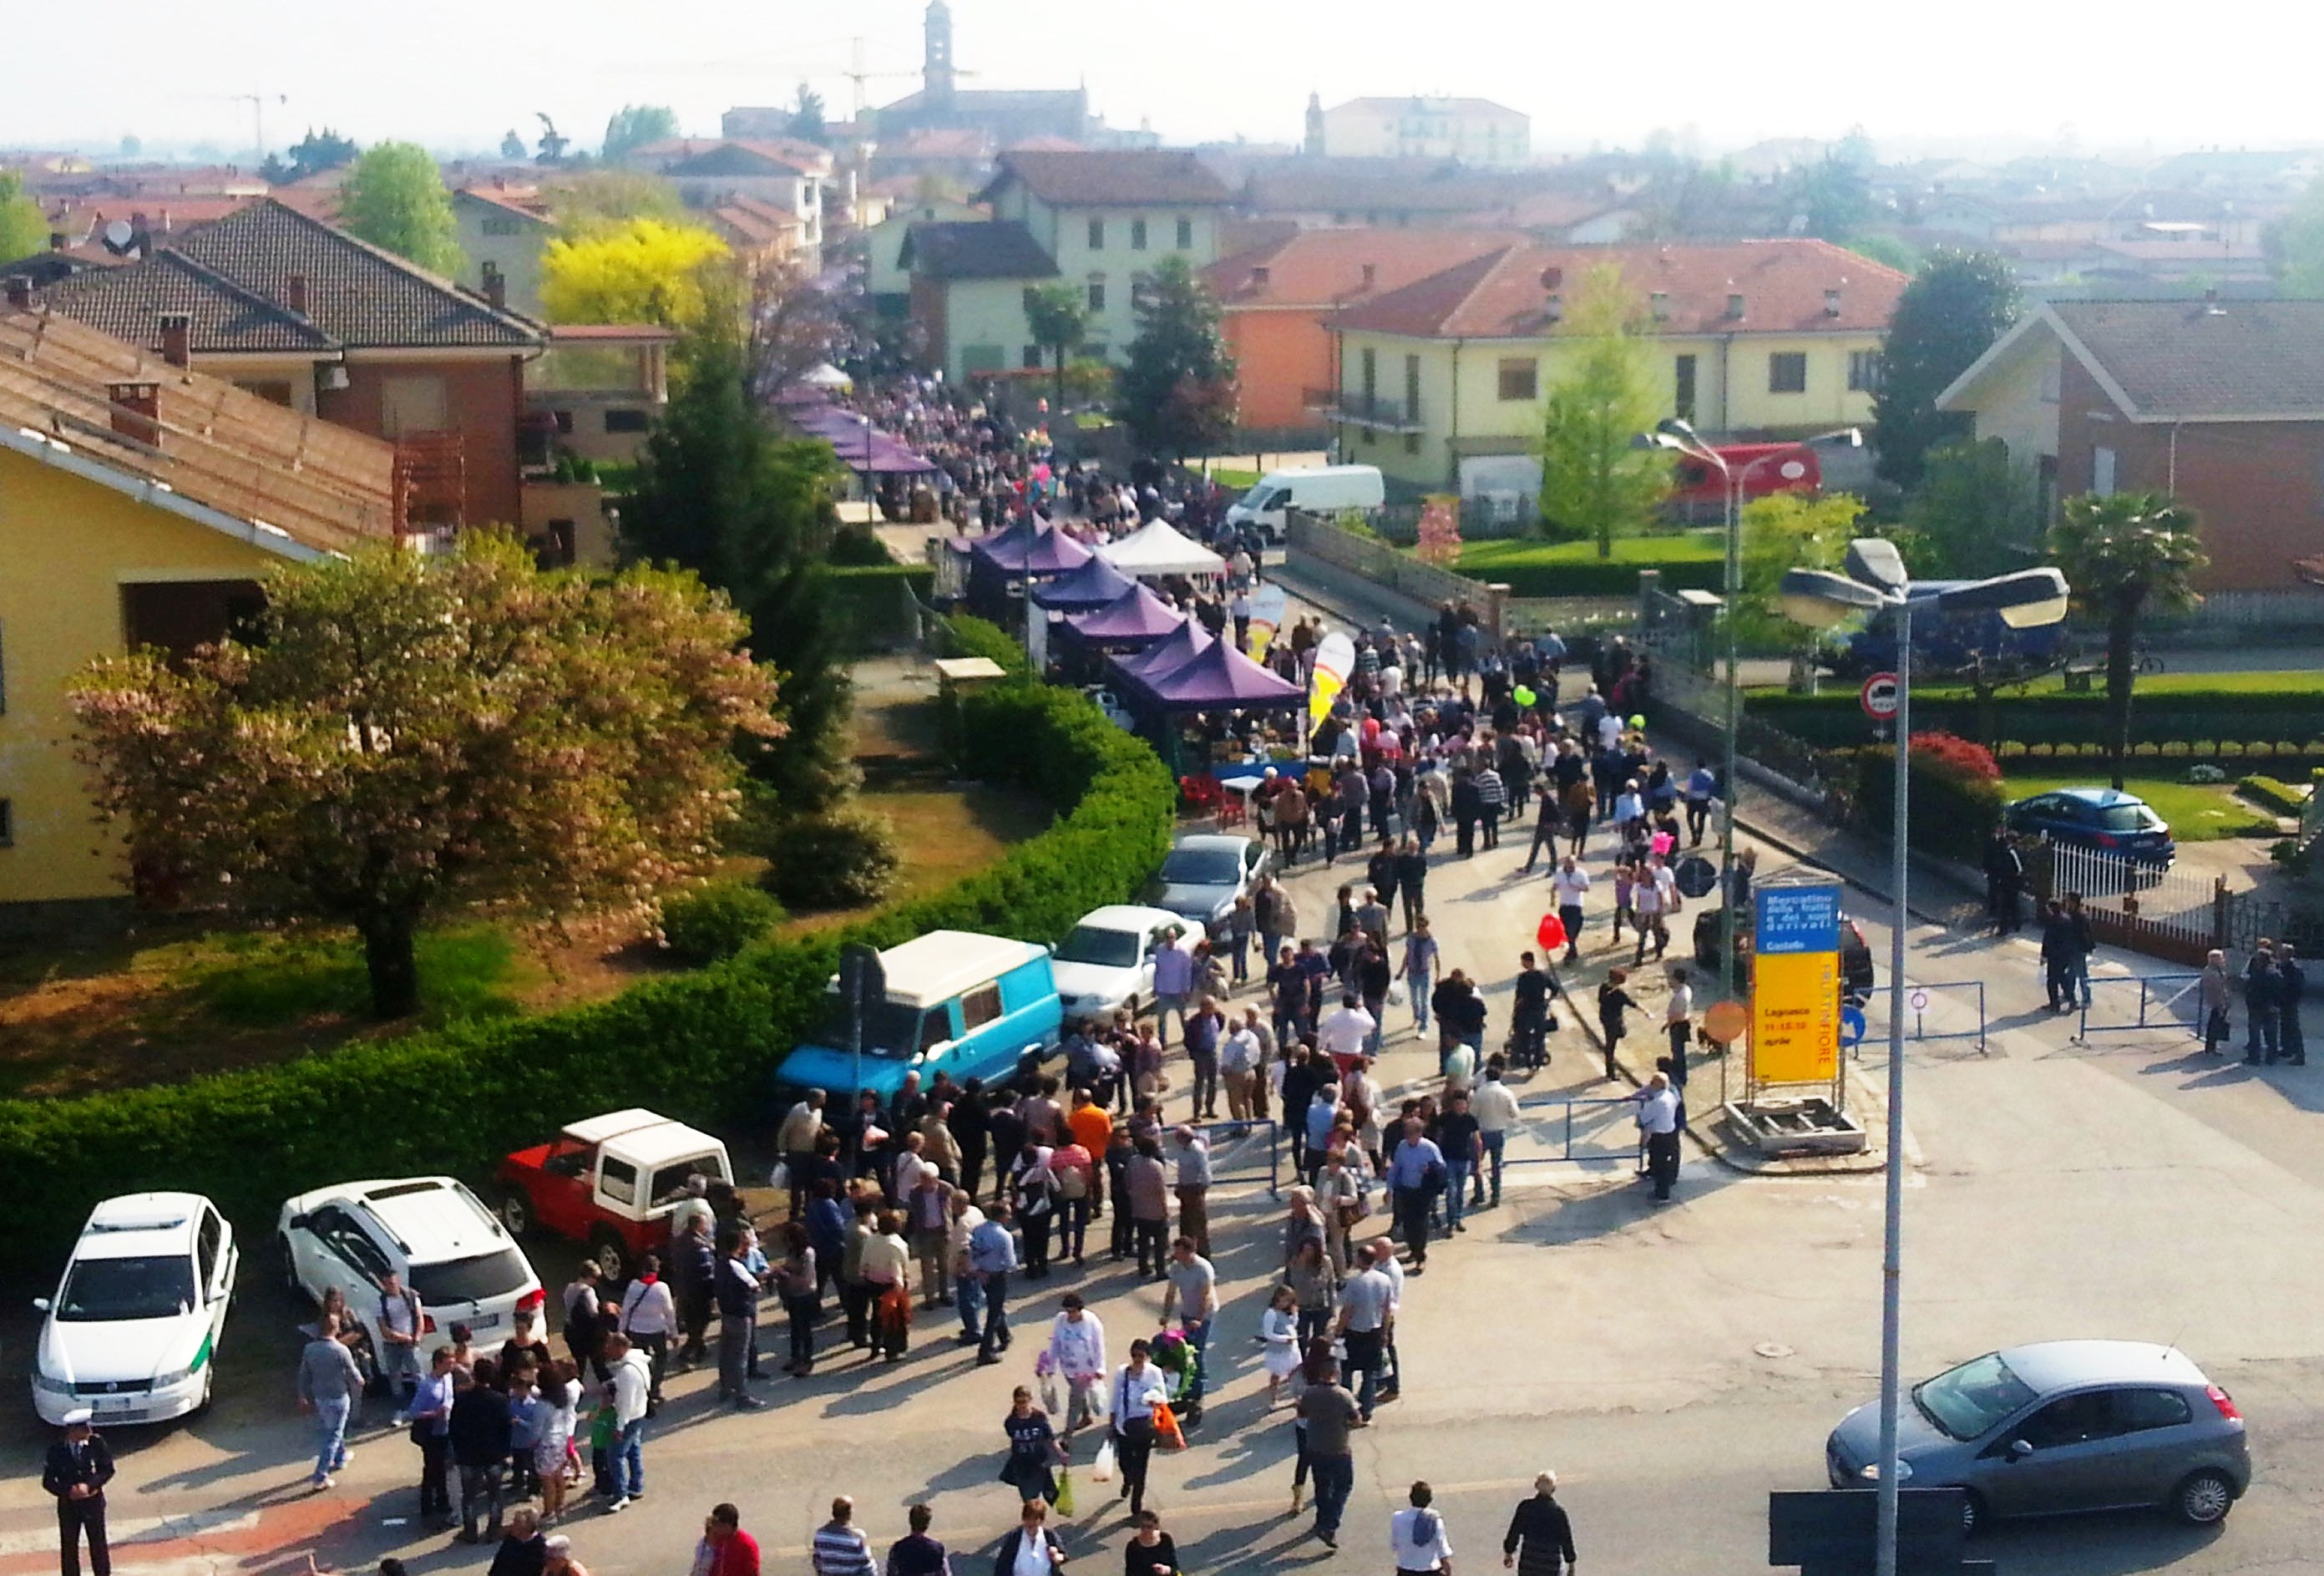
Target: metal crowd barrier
x=1244 y=1151
x=2165 y=1002
x=1552 y=1118
x=1918 y=999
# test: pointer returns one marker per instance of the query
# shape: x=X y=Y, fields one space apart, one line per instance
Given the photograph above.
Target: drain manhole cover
x=1772 y=1348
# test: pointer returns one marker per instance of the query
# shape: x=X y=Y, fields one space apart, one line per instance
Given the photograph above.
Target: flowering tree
x=1440 y=532
x=410 y=732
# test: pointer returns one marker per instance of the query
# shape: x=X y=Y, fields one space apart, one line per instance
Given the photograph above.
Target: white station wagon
x=134 y=1325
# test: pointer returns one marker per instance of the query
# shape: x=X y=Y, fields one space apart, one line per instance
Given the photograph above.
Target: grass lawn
x=2300 y=682
x=1693 y=547
x=1240 y=481
x=2198 y=812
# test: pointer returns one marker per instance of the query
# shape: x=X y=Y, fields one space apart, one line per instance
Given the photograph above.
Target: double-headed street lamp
x=1680 y=437
x=1876 y=582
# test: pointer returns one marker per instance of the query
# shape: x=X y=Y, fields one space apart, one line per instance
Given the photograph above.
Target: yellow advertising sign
x=1795 y=1017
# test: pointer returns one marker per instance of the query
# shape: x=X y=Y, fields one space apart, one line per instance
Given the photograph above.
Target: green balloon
x=1523 y=697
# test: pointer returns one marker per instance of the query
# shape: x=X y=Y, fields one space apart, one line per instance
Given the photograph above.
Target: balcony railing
x=1358 y=409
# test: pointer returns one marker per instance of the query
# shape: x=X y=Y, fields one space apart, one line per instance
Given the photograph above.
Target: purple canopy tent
x=1182 y=646
x=1135 y=619
x=1083 y=589
x=1030 y=550
x=860 y=446
x=1220 y=678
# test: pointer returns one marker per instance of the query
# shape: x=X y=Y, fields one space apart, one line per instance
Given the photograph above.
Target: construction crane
x=258 y=102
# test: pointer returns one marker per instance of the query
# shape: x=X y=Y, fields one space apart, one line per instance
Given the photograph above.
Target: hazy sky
x=456 y=73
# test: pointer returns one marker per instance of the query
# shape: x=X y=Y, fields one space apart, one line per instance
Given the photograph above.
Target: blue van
x=966 y=1005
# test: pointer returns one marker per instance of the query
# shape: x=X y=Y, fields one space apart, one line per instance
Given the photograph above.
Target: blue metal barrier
x=2165 y=1002
x=1235 y=1151
x=1918 y=998
x=1552 y=1117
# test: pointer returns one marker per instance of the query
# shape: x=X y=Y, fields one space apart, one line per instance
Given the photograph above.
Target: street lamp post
x=1876 y=581
x=1679 y=435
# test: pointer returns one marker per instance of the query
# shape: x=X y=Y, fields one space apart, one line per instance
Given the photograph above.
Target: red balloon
x=1552 y=934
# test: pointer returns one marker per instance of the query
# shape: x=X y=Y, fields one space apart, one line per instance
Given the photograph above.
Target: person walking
x=1367 y=1307
x=1412 y=879
x=1415 y=1177
x=523 y=1551
x=2004 y=878
x=1034 y=1454
x=1151 y=1552
x=1658 y=1121
x=1495 y=1108
x=733 y=1551
x=1569 y=887
x=2215 y=993
x=1327 y=1416
x=1136 y=1390
x=1613 y=1001
x=1031 y=1548
x=2084 y=942
x=329 y=1386
x=916 y=1553
x=1194 y=1292
x=839 y=1547
x=1076 y=1354
x=1190 y=1158
x=77 y=1468
x=991 y=1259
x=1147 y=1187
x=1540 y=1539
x=1549 y=822
x=1678 y=1022
x=2291 y=984
x=1462 y=1141
x=1529 y=1015
x=1415 y=1536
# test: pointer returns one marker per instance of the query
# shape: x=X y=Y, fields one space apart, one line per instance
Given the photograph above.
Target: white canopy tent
x=1156 y=548
x=824 y=375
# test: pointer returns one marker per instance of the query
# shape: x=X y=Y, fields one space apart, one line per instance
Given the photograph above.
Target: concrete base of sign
x=1804 y=1126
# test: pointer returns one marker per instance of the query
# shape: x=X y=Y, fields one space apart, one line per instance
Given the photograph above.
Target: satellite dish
x=118 y=234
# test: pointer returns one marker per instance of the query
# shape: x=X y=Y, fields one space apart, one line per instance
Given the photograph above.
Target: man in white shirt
x=1495 y=1107
x=1346 y=1034
x=1190 y=1158
x=1678 y=1022
x=1658 y=1121
x=631 y=1384
x=1238 y=1056
x=1569 y=884
x=1416 y=1535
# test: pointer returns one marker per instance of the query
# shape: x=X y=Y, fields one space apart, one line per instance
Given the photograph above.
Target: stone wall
x=1318 y=540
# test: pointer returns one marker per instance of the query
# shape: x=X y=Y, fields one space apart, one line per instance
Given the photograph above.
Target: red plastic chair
x=1234 y=810
x=1200 y=794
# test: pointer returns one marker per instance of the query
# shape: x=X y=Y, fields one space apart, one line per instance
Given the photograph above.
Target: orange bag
x=1167 y=1431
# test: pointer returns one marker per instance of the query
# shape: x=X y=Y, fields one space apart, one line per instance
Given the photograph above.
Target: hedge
x=699 y=1046
x=2207 y=721
x=1594 y=576
x=1953 y=809
x=870 y=601
x=2273 y=793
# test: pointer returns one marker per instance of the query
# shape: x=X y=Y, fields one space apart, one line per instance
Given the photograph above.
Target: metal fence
x=1950 y=1002
x=1572 y=1129
x=1249 y=1151
x=2154 y=1001
x=2163 y=913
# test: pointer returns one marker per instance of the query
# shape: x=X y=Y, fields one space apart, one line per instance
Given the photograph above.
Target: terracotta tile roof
x=1325 y=268
x=1427 y=104
x=1783 y=283
x=753 y=222
x=323 y=486
x=1356 y=187
x=1127 y=177
x=525 y=203
x=2195 y=361
x=743 y=156
x=127 y=303
x=975 y=251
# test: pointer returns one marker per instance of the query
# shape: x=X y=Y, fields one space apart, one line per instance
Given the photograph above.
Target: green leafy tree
x=1788 y=530
x=1594 y=483
x=1889 y=251
x=643 y=271
x=319 y=151
x=1833 y=194
x=1979 y=513
x=1056 y=315
x=2127 y=556
x=589 y=202
x=2295 y=245
x=394 y=197
x=808 y=123
x=553 y=143
x=415 y=732
x=719 y=493
x=1956 y=307
x=24 y=228
x=511 y=145
x=634 y=125
x=1178 y=395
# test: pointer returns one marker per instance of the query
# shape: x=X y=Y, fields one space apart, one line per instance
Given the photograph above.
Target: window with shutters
x=1788 y=372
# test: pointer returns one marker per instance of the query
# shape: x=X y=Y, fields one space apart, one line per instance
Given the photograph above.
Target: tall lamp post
x=1680 y=435
x=1876 y=582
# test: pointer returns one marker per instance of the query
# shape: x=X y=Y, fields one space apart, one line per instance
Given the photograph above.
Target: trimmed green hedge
x=2207 y=721
x=963 y=635
x=874 y=611
x=2273 y=793
x=1953 y=810
x=699 y=1047
x=1573 y=569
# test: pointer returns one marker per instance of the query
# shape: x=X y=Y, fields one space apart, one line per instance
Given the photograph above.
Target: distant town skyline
x=1994 y=79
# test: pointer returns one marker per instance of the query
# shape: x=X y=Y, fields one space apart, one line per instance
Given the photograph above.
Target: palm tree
x=1056 y=315
x=2126 y=555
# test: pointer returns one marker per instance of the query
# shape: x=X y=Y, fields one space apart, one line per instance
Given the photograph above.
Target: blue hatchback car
x=2102 y=818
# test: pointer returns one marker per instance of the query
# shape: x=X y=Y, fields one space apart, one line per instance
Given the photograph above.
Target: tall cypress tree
x=718 y=492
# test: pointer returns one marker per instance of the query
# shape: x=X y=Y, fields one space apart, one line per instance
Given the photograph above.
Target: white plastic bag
x=779 y=1179
x=1102 y=1468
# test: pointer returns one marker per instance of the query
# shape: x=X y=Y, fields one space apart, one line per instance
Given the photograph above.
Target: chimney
x=1735 y=304
x=1832 y=303
x=1371 y=274
x=57 y=240
x=1660 y=300
x=137 y=411
x=294 y=293
x=178 y=339
x=20 y=290
x=495 y=286
x=1554 y=310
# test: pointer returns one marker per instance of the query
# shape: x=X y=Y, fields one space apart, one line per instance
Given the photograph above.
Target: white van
x=1318 y=489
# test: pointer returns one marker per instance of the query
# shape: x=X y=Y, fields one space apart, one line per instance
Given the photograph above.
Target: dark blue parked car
x=2102 y=818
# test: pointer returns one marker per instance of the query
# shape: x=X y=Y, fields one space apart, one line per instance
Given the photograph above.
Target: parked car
x=966 y=1005
x=612 y=1181
x=1107 y=960
x=1205 y=873
x=138 y=1314
x=2104 y=818
x=2061 y=1426
x=1856 y=970
x=451 y=1251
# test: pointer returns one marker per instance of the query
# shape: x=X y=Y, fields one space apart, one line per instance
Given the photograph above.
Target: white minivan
x=1317 y=489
